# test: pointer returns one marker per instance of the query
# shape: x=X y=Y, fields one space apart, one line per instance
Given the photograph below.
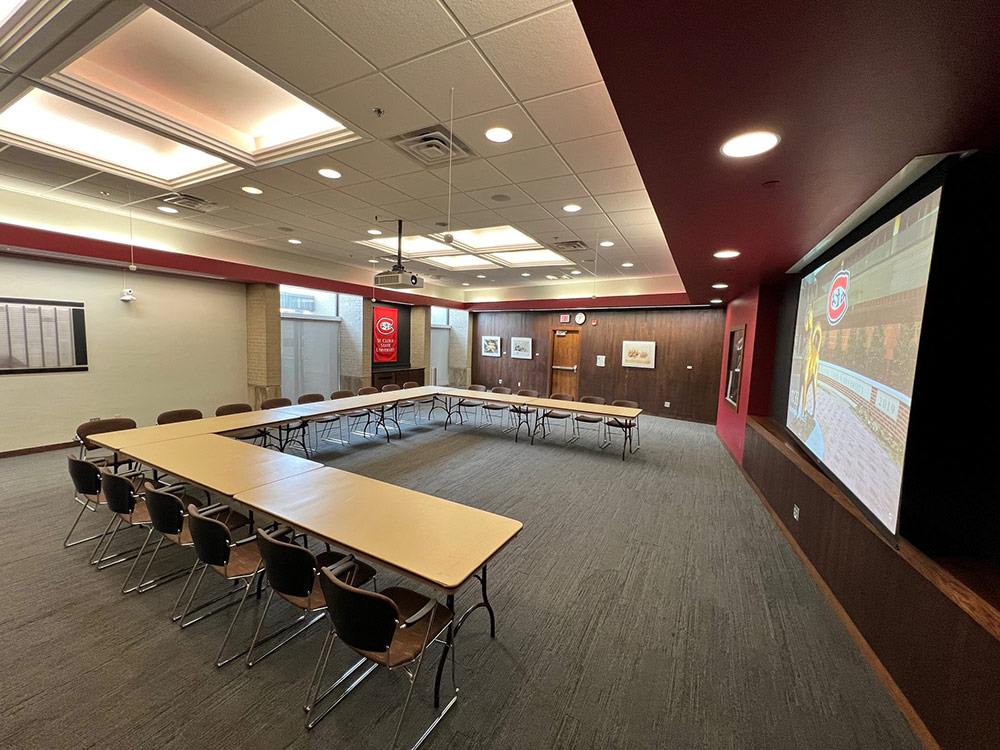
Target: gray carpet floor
x=646 y=604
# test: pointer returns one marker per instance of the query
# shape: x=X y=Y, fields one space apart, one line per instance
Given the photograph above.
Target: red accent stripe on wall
x=584 y=303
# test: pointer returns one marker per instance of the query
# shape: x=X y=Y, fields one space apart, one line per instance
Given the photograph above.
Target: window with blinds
x=41 y=336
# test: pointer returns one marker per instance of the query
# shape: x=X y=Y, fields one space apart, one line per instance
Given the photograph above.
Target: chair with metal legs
x=395 y=407
x=523 y=413
x=292 y=572
x=564 y=416
x=417 y=402
x=86 y=476
x=313 y=398
x=96 y=427
x=582 y=419
x=238 y=561
x=178 y=415
x=490 y=409
x=357 y=416
x=629 y=427
x=122 y=493
x=392 y=629
x=250 y=435
x=467 y=405
x=292 y=432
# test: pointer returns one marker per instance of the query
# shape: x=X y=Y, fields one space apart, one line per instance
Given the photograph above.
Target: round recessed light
x=750 y=144
x=500 y=198
x=373 y=260
x=716 y=301
x=294 y=242
x=576 y=273
x=167 y=209
x=374 y=232
x=440 y=223
x=251 y=189
x=726 y=254
x=330 y=174
x=480 y=275
x=607 y=243
x=627 y=265
x=499 y=135
x=465 y=283
x=571 y=208
x=550 y=277
x=720 y=286
x=526 y=274
x=105 y=193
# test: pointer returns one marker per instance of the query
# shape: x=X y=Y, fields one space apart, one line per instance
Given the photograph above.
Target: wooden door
x=564 y=362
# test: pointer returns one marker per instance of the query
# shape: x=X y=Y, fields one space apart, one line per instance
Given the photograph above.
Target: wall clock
x=581 y=318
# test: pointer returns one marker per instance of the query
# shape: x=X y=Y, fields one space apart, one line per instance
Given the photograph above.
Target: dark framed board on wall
x=734 y=365
x=39 y=336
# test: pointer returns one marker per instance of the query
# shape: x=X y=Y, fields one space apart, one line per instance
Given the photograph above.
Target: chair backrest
x=274 y=403
x=97 y=426
x=627 y=404
x=364 y=620
x=500 y=389
x=390 y=387
x=166 y=510
x=561 y=397
x=178 y=415
x=367 y=390
x=341 y=394
x=86 y=476
x=232 y=409
x=480 y=388
x=592 y=400
x=210 y=536
x=118 y=492
x=311 y=398
x=291 y=569
x=411 y=384
x=528 y=392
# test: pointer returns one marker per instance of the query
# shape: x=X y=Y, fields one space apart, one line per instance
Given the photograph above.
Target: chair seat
x=622 y=424
x=248 y=434
x=523 y=409
x=300 y=425
x=407 y=642
x=324 y=420
x=557 y=415
x=243 y=561
x=473 y=404
x=140 y=514
x=589 y=419
x=316 y=600
x=497 y=407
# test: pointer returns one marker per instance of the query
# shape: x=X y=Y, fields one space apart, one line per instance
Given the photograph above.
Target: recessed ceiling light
x=251 y=189
x=167 y=209
x=551 y=277
x=576 y=273
x=720 y=286
x=607 y=243
x=627 y=265
x=716 y=301
x=330 y=174
x=374 y=232
x=571 y=208
x=526 y=274
x=465 y=283
x=480 y=275
x=750 y=144
x=499 y=135
x=500 y=197
x=294 y=242
x=727 y=254
x=373 y=260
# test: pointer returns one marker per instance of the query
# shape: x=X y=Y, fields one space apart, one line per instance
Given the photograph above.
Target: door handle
x=563 y=367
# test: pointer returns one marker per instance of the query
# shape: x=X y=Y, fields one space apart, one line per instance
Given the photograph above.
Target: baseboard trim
x=38 y=449
x=920 y=729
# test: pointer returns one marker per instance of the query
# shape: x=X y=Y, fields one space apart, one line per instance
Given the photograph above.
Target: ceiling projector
x=399 y=279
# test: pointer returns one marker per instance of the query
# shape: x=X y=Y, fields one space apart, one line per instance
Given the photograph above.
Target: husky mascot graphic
x=810 y=364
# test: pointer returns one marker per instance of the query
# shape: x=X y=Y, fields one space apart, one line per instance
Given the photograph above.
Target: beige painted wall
x=181 y=344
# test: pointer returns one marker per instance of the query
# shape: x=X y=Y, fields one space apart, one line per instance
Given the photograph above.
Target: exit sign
x=564 y=318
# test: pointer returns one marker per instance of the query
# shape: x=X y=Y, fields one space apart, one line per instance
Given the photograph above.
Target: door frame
x=552 y=349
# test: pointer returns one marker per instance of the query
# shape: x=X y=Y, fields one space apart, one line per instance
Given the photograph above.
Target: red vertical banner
x=386 y=332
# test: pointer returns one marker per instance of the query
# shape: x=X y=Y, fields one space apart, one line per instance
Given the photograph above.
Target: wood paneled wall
x=684 y=337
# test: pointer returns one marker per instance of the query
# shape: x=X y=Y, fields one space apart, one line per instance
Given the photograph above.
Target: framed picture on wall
x=520 y=347
x=734 y=365
x=490 y=346
x=640 y=354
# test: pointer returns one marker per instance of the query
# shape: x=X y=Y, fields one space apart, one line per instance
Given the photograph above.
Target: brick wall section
x=352 y=331
x=420 y=339
x=263 y=342
x=459 y=348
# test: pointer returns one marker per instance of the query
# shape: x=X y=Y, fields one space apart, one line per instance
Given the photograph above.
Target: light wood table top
x=578 y=407
x=496 y=398
x=220 y=464
x=357 y=403
x=122 y=439
x=426 y=538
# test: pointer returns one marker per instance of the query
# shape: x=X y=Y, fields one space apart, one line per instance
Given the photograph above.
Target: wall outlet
x=518 y=383
x=500 y=381
x=795 y=512
x=666 y=404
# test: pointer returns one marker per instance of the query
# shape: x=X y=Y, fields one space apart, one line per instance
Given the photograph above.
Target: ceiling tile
x=411 y=210
x=62 y=171
x=542 y=54
x=283 y=178
x=218 y=222
x=515 y=196
x=299 y=205
x=614 y=180
x=377 y=160
x=534 y=164
x=472 y=131
x=282 y=37
x=244 y=218
x=418 y=184
x=472 y=175
x=375 y=193
x=588 y=221
x=541 y=226
x=579 y=113
x=355 y=101
x=429 y=80
x=554 y=188
x=597 y=152
x=529 y=212
x=459 y=203
x=208 y=13
x=479 y=219
x=631 y=218
x=336 y=199
x=587 y=206
x=624 y=201
x=310 y=168
x=388 y=31
x=477 y=16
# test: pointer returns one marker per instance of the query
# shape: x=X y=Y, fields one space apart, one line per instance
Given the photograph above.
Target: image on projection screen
x=856 y=335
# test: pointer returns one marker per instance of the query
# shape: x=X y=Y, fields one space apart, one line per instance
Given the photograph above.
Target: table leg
x=453 y=630
x=448 y=645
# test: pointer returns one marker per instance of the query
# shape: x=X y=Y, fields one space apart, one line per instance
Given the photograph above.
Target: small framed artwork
x=520 y=347
x=734 y=365
x=491 y=346
x=639 y=354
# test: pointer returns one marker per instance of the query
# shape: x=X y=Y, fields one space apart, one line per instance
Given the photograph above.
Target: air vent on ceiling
x=570 y=246
x=192 y=202
x=431 y=146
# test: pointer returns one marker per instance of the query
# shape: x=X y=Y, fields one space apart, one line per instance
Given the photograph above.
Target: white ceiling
x=521 y=64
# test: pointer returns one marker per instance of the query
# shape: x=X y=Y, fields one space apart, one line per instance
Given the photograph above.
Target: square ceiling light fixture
x=518 y=258
x=19 y=19
x=158 y=74
x=414 y=246
x=492 y=239
x=462 y=262
x=58 y=127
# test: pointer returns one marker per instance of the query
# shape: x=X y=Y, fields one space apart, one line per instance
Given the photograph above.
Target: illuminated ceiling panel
x=155 y=72
x=7 y=10
x=461 y=262
x=414 y=246
x=58 y=127
x=543 y=257
x=493 y=238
